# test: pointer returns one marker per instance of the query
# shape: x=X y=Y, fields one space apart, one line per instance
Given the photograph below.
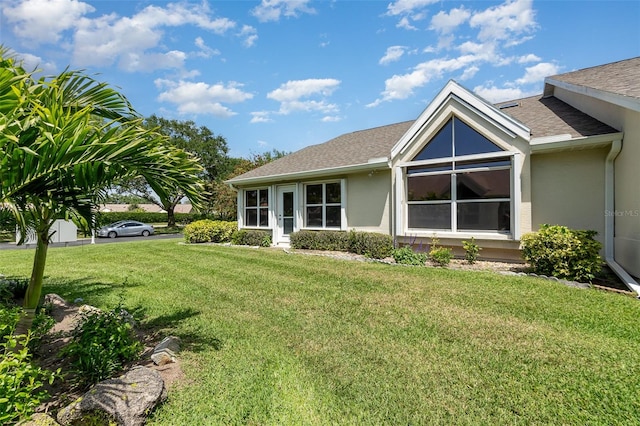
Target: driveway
x=87 y=241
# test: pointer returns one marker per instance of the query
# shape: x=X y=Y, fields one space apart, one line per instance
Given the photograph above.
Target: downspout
x=609 y=219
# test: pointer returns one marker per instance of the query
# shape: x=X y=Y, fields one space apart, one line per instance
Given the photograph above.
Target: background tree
x=210 y=149
x=223 y=201
x=64 y=140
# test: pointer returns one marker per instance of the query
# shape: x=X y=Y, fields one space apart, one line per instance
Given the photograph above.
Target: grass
x=272 y=338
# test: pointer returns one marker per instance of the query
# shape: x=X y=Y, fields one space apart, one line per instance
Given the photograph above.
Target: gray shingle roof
x=350 y=149
x=544 y=116
x=550 y=116
x=620 y=77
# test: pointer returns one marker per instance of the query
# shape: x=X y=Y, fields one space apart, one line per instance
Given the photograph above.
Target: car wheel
x=112 y=234
x=145 y=233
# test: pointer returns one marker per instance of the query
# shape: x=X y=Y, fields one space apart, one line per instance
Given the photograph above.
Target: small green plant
x=471 y=251
x=20 y=381
x=102 y=342
x=370 y=244
x=562 y=252
x=406 y=256
x=441 y=256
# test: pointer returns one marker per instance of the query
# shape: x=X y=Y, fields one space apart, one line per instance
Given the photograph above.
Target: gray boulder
x=126 y=400
x=165 y=352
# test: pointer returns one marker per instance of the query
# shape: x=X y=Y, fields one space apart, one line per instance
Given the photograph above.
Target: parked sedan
x=125 y=228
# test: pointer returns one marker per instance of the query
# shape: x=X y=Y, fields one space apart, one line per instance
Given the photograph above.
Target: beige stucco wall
x=627 y=175
x=369 y=201
x=568 y=189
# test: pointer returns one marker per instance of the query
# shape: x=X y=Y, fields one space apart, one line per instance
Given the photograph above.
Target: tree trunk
x=171 y=217
x=32 y=296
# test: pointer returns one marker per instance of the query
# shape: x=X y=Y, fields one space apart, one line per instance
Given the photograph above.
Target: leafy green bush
x=252 y=237
x=471 y=251
x=441 y=256
x=370 y=244
x=12 y=288
x=20 y=381
x=562 y=252
x=101 y=343
x=406 y=256
x=320 y=240
x=209 y=231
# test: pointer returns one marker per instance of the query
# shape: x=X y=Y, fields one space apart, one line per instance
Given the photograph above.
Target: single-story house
x=468 y=168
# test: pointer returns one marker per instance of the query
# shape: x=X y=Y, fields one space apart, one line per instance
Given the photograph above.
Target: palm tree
x=63 y=140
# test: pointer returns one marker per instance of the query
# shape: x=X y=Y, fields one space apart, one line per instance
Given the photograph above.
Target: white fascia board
x=566 y=143
x=453 y=90
x=610 y=97
x=372 y=164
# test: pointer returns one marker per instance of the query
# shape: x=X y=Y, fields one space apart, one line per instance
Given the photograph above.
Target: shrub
x=12 y=289
x=441 y=256
x=102 y=342
x=562 y=252
x=471 y=251
x=406 y=256
x=320 y=240
x=20 y=381
x=209 y=231
x=370 y=244
x=252 y=237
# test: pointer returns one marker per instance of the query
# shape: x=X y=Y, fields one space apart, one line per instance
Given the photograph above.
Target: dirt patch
x=66 y=390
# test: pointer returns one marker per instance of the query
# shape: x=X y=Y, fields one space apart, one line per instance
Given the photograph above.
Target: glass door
x=286 y=213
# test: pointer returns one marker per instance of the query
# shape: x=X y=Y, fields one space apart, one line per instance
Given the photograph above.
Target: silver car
x=125 y=228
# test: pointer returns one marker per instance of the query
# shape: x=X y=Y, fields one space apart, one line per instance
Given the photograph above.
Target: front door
x=286 y=213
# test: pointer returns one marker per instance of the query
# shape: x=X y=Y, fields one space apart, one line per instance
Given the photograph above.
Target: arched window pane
x=440 y=146
x=469 y=142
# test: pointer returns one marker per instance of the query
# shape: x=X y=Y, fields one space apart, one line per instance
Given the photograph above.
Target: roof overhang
x=560 y=143
x=372 y=164
x=610 y=97
x=454 y=91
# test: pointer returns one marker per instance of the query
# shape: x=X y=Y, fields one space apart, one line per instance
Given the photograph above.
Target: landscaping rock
x=55 y=301
x=126 y=400
x=165 y=352
x=39 y=419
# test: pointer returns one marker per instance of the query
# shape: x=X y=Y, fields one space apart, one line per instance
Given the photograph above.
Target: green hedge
x=252 y=237
x=370 y=244
x=209 y=231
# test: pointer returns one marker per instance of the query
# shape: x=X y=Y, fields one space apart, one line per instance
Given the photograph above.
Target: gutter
x=609 y=219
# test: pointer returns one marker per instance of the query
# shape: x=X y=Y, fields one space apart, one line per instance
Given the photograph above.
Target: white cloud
x=31 y=63
x=43 y=21
x=445 y=23
x=250 y=35
x=262 y=144
x=495 y=94
x=469 y=73
x=402 y=7
x=512 y=18
x=537 y=73
x=402 y=86
x=205 y=51
x=272 y=10
x=200 y=97
x=331 y=119
x=293 y=95
x=393 y=53
x=261 y=117
x=129 y=41
x=405 y=23
x=528 y=58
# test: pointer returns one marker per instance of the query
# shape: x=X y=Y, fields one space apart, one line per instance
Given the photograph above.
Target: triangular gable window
x=456 y=137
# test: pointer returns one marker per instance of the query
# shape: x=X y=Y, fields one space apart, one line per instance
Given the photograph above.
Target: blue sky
x=284 y=75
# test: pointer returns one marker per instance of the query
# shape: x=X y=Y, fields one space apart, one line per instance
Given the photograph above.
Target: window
x=256 y=208
x=323 y=205
x=460 y=181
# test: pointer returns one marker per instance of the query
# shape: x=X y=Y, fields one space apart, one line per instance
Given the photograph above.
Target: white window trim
x=243 y=210
x=343 y=212
x=402 y=203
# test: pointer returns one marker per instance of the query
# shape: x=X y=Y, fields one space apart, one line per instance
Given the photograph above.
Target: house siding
x=568 y=189
x=368 y=201
x=627 y=195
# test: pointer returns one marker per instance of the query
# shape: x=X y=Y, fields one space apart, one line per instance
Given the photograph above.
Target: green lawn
x=273 y=338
